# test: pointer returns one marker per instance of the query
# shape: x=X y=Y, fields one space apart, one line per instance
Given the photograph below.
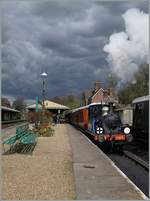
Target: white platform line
x=120 y=172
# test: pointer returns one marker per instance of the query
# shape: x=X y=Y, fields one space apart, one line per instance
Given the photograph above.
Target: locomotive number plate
x=120 y=137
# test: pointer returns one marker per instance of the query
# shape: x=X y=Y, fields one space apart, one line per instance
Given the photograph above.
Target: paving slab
x=96 y=177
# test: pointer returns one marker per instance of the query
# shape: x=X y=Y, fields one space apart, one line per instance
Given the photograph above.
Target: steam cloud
x=127 y=50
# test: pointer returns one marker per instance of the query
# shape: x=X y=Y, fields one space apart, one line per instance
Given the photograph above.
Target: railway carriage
x=102 y=123
x=141 y=119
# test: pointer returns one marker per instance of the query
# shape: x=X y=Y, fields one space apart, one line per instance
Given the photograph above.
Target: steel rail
x=136 y=159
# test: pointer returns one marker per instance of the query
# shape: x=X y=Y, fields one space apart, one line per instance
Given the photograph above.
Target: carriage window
x=95 y=110
x=140 y=106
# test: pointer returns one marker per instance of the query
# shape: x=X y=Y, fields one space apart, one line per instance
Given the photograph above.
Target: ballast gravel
x=47 y=174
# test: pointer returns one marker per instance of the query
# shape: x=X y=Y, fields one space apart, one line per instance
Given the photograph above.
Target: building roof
x=52 y=105
x=96 y=92
x=87 y=106
x=49 y=105
x=87 y=93
x=33 y=106
x=9 y=109
x=105 y=99
x=141 y=99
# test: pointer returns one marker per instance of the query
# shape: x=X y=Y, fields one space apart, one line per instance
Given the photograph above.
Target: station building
x=9 y=114
x=99 y=94
x=54 y=109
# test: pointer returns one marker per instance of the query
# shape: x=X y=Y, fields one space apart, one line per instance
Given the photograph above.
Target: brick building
x=98 y=94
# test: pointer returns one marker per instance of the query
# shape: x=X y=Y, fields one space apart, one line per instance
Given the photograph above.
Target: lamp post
x=43 y=75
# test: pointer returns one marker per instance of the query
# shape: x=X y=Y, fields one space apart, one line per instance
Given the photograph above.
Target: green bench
x=23 y=135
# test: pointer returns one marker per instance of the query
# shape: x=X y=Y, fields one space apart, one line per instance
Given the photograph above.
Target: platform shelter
x=54 y=109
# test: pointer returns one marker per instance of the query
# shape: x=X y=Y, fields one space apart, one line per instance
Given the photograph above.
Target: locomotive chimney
x=97 y=85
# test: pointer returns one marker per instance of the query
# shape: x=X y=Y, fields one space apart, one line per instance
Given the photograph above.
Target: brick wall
x=98 y=97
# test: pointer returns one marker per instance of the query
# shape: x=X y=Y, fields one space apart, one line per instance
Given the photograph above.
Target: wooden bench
x=23 y=135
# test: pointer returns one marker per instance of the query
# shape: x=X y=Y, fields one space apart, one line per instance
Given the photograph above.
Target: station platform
x=71 y=167
x=96 y=176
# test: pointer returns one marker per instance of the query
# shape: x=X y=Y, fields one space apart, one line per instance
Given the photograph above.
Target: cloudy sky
x=75 y=42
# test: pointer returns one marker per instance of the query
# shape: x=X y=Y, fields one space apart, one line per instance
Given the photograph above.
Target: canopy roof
x=33 y=106
x=141 y=99
x=9 y=109
x=49 y=105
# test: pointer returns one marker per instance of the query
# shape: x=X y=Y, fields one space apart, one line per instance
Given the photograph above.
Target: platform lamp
x=44 y=76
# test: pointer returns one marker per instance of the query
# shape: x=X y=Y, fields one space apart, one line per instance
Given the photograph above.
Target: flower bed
x=44 y=130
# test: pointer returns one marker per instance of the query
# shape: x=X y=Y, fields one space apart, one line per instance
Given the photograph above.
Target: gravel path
x=46 y=174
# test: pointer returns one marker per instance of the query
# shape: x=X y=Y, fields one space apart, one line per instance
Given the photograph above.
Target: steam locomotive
x=103 y=124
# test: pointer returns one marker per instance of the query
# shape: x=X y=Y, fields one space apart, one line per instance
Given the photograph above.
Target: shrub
x=44 y=130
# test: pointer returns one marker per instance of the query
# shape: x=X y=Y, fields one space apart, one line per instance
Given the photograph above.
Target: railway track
x=134 y=171
x=136 y=159
x=10 y=124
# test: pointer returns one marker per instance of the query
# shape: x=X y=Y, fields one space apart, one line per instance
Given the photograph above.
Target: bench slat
x=28 y=139
x=11 y=140
x=23 y=135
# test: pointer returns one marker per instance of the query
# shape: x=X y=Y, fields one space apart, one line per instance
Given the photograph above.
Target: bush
x=45 y=127
x=44 y=130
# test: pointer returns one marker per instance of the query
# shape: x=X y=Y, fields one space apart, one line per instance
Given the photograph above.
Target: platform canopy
x=49 y=105
x=52 y=105
x=3 y=108
x=33 y=106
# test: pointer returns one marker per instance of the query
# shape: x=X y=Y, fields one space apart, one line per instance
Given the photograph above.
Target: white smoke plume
x=127 y=50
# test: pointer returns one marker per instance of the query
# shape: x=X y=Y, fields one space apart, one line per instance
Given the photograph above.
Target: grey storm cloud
x=65 y=38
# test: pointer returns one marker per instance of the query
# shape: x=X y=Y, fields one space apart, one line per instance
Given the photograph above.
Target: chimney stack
x=97 y=85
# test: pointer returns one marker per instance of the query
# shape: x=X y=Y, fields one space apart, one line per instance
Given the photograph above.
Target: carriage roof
x=87 y=106
x=141 y=99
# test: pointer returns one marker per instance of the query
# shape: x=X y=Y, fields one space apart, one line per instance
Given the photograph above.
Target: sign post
x=36 y=104
x=36 y=114
x=58 y=117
